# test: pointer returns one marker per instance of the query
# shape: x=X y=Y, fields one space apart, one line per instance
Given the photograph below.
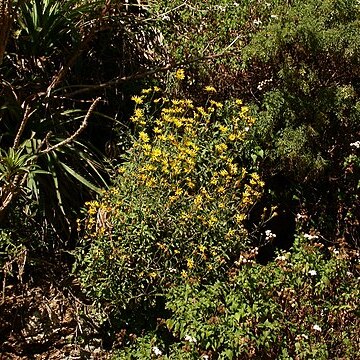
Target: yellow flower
x=223 y=172
x=171 y=137
x=201 y=111
x=223 y=129
x=190 y=263
x=190 y=183
x=149 y=167
x=180 y=74
x=214 y=180
x=147 y=149
x=144 y=136
x=210 y=89
x=240 y=218
x=221 y=148
x=216 y=104
x=177 y=122
x=146 y=91
x=150 y=183
x=138 y=113
x=230 y=234
x=178 y=191
x=172 y=198
x=250 y=120
x=137 y=99
x=233 y=169
x=213 y=220
x=244 y=109
x=156 y=153
x=232 y=137
x=92 y=211
x=198 y=200
x=188 y=103
x=191 y=152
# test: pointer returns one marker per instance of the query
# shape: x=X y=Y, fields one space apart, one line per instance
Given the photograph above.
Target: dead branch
x=76 y=133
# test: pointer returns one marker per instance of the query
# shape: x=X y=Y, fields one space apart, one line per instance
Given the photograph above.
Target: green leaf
x=80 y=178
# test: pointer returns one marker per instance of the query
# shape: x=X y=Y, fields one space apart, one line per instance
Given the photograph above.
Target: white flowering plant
x=302 y=305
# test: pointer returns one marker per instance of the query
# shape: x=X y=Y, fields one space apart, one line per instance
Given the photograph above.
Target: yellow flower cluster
x=182 y=175
x=187 y=154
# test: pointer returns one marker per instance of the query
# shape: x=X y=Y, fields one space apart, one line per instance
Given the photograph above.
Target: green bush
x=303 y=305
x=177 y=208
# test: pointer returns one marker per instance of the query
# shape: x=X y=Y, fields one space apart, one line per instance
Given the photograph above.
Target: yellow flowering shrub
x=178 y=204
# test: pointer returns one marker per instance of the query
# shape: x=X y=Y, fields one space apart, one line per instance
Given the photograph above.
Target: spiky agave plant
x=56 y=173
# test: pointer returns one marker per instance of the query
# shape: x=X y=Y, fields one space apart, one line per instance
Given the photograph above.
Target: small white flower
x=190 y=339
x=156 y=351
x=255 y=250
x=281 y=258
x=336 y=251
x=310 y=237
x=356 y=144
x=304 y=336
x=269 y=235
x=312 y=272
x=257 y=22
x=317 y=327
x=205 y=357
x=172 y=270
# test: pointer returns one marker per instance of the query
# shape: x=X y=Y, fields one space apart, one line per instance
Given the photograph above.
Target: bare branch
x=5 y=25
x=27 y=114
x=76 y=133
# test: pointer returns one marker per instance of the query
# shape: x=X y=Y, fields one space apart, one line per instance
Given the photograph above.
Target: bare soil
x=43 y=319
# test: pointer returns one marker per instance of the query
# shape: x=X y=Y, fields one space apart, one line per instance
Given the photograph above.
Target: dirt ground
x=44 y=319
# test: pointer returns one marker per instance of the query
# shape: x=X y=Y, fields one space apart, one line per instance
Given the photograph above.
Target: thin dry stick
x=5 y=25
x=24 y=121
x=76 y=133
x=8 y=191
